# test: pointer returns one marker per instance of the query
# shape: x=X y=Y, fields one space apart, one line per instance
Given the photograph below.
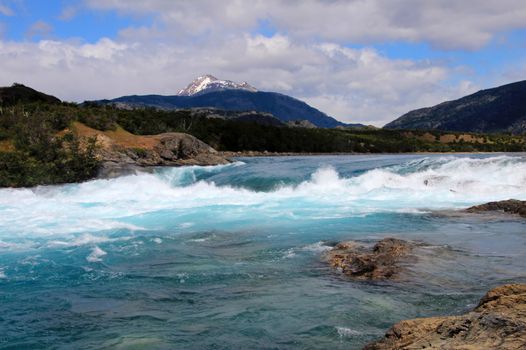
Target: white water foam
x=79 y=241
x=96 y=255
x=317 y=247
x=109 y=204
x=345 y=332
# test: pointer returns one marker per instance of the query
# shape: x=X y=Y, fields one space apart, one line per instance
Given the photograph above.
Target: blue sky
x=87 y=25
x=366 y=61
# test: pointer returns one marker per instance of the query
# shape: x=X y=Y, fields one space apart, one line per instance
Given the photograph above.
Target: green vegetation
x=232 y=135
x=38 y=153
x=36 y=148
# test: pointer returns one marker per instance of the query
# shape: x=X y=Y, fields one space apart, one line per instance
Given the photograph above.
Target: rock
x=379 y=263
x=301 y=124
x=122 y=152
x=498 y=322
x=511 y=206
x=184 y=149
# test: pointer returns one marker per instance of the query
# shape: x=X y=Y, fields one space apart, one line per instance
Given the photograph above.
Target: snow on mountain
x=207 y=83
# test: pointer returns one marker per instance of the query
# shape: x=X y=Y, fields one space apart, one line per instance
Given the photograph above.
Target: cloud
x=445 y=24
x=39 y=29
x=6 y=11
x=68 y=13
x=308 y=56
x=355 y=85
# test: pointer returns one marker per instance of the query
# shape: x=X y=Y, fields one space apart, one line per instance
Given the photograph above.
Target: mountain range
x=500 y=109
x=496 y=110
x=210 y=92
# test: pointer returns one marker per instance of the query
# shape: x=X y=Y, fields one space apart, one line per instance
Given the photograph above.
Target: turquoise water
x=230 y=257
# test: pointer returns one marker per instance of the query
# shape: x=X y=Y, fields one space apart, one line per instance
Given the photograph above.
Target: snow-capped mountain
x=208 y=83
x=209 y=92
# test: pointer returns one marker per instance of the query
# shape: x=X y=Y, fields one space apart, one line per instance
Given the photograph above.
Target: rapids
x=230 y=256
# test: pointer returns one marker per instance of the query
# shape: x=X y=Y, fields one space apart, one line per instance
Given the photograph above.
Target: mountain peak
x=207 y=83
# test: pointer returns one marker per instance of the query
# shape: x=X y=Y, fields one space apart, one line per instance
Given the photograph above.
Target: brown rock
x=122 y=152
x=511 y=206
x=379 y=263
x=498 y=322
x=184 y=149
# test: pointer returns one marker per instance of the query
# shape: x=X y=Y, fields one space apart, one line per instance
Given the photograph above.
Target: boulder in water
x=498 y=322
x=510 y=206
x=379 y=263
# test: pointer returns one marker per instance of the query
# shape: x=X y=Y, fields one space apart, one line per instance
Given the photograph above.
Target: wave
x=186 y=195
x=447 y=179
x=96 y=255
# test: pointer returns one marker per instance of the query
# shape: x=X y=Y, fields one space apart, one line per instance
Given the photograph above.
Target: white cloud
x=355 y=85
x=307 y=58
x=449 y=24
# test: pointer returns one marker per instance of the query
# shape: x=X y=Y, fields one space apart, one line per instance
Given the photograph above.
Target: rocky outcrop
x=498 y=322
x=301 y=124
x=382 y=261
x=122 y=152
x=510 y=206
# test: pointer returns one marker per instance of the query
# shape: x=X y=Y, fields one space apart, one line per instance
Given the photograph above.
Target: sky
x=360 y=61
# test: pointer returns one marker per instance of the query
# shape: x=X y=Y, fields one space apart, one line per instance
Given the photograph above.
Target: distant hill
x=261 y=118
x=208 y=91
x=284 y=107
x=18 y=93
x=501 y=109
